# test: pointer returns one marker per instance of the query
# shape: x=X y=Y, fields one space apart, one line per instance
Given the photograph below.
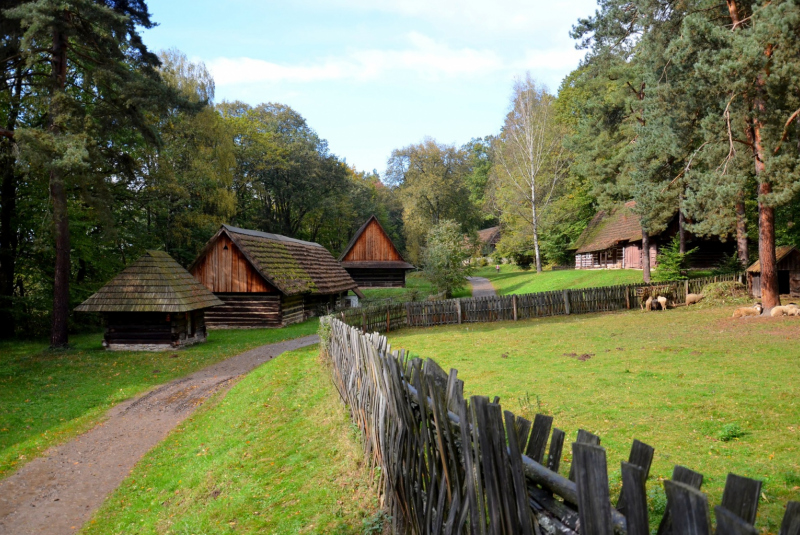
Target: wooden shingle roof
x=154 y=283
x=781 y=252
x=290 y=265
x=489 y=236
x=608 y=228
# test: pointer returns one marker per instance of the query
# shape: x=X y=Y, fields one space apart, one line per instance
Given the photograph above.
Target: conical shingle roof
x=154 y=283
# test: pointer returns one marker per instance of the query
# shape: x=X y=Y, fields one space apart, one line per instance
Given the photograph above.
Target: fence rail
x=454 y=466
x=388 y=316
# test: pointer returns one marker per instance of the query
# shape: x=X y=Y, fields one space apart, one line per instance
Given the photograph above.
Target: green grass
x=709 y=392
x=513 y=280
x=277 y=454
x=49 y=397
x=416 y=289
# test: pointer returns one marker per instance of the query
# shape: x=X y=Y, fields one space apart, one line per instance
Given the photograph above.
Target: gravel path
x=481 y=287
x=55 y=494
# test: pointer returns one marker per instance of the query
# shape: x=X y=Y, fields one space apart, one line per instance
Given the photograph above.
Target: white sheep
x=755 y=310
x=785 y=310
x=693 y=299
x=662 y=301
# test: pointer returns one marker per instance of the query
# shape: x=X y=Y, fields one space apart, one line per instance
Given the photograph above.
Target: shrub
x=728 y=264
x=730 y=432
x=725 y=293
x=672 y=263
x=446 y=257
x=522 y=259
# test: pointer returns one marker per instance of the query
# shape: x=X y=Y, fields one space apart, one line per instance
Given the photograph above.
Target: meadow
x=709 y=392
x=49 y=396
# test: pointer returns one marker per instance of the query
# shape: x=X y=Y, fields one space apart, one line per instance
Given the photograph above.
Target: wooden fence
x=455 y=466
x=385 y=317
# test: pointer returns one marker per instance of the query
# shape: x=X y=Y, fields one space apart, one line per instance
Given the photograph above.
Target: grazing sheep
x=755 y=310
x=794 y=312
x=785 y=310
x=662 y=301
x=693 y=299
x=648 y=305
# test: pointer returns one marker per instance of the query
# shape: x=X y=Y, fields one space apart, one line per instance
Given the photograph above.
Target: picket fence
x=454 y=466
x=385 y=317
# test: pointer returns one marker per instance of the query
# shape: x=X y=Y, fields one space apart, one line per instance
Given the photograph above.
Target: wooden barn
x=268 y=280
x=372 y=259
x=613 y=240
x=488 y=239
x=154 y=304
x=788 y=259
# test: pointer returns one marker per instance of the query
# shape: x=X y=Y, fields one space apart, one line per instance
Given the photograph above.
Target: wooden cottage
x=613 y=239
x=788 y=260
x=488 y=239
x=154 y=304
x=268 y=280
x=372 y=260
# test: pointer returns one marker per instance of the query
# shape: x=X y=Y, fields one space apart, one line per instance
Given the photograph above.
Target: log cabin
x=268 y=280
x=154 y=304
x=788 y=263
x=488 y=239
x=372 y=260
x=613 y=240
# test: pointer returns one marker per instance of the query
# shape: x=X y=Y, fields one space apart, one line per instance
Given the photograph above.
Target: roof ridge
x=268 y=235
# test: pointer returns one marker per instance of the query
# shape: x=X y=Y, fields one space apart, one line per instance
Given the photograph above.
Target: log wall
x=246 y=311
x=153 y=330
x=225 y=269
x=378 y=277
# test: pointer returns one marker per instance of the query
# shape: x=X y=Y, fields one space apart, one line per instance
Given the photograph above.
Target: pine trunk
x=682 y=231
x=645 y=256
x=59 y=335
x=741 y=235
x=770 y=296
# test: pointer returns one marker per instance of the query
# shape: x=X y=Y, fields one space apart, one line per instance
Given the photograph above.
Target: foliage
x=731 y=432
x=374 y=525
x=725 y=293
x=728 y=264
x=675 y=368
x=50 y=398
x=417 y=288
x=446 y=257
x=238 y=464
x=672 y=263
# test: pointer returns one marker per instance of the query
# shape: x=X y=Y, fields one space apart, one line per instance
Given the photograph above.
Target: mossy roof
x=154 y=283
x=781 y=252
x=292 y=266
x=609 y=228
x=489 y=236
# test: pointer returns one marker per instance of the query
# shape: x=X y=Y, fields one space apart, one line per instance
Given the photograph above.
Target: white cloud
x=425 y=58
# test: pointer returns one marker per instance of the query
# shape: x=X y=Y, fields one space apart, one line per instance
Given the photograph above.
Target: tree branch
x=785 y=134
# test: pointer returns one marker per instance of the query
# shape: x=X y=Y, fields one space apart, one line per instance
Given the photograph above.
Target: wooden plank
x=633 y=485
x=688 y=508
x=591 y=480
x=584 y=437
x=740 y=497
x=791 y=519
x=518 y=477
x=729 y=523
x=642 y=456
x=556 y=445
x=539 y=436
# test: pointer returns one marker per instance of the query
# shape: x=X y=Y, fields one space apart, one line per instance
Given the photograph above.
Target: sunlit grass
x=49 y=397
x=709 y=392
x=513 y=280
x=277 y=454
x=417 y=288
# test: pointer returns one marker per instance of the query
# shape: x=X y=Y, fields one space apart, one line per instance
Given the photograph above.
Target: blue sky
x=371 y=76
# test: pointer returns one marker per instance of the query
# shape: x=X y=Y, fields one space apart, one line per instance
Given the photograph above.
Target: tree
x=101 y=85
x=445 y=257
x=531 y=160
x=430 y=179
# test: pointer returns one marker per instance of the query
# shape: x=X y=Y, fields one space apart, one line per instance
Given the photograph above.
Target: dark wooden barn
x=153 y=305
x=613 y=239
x=788 y=259
x=372 y=259
x=268 y=280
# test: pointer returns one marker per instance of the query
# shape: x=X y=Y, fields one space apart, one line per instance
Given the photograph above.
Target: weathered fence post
x=408 y=314
x=388 y=312
x=514 y=304
x=458 y=310
x=686 y=289
x=628 y=297
x=566 y=302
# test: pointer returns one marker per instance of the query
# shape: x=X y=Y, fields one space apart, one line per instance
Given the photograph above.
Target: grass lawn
x=276 y=454
x=513 y=280
x=709 y=392
x=417 y=289
x=49 y=397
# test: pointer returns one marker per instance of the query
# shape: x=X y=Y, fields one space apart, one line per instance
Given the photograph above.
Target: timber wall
x=245 y=310
x=449 y=465
x=225 y=269
x=373 y=245
x=378 y=277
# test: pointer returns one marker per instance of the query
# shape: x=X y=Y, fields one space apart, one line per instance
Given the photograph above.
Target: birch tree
x=531 y=161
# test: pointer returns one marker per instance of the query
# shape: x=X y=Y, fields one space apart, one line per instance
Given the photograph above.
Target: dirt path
x=55 y=494
x=481 y=287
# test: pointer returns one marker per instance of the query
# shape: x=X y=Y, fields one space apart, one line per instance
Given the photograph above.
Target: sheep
x=648 y=305
x=786 y=310
x=662 y=301
x=794 y=312
x=755 y=310
x=693 y=299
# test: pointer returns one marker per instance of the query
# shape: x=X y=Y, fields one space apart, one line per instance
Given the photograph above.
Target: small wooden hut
x=268 y=280
x=372 y=260
x=154 y=304
x=788 y=260
x=488 y=238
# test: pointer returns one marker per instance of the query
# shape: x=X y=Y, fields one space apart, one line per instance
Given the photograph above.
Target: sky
x=371 y=76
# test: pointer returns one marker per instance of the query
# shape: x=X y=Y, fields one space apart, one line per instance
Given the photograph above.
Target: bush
x=725 y=293
x=522 y=259
x=728 y=264
x=672 y=263
x=446 y=258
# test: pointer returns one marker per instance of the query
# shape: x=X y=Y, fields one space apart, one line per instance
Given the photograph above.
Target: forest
x=108 y=148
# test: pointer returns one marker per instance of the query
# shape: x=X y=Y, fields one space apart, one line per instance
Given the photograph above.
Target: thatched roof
x=154 y=283
x=609 y=228
x=290 y=265
x=489 y=236
x=397 y=263
x=780 y=253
